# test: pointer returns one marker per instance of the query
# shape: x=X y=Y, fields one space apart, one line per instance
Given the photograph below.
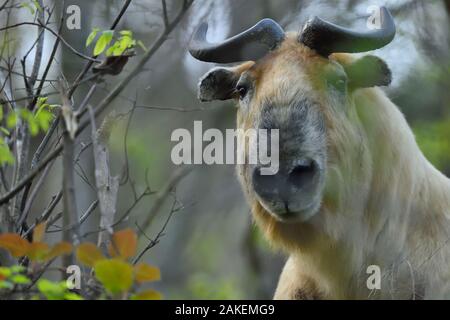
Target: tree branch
x=102 y=105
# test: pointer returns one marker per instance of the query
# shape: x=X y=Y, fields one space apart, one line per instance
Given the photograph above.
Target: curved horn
x=327 y=38
x=251 y=44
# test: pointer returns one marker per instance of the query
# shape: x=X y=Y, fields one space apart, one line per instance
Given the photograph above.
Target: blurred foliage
x=117 y=274
x=427 y=109
x=119 y=277
x=123 y=42
x=37 y=121
x=203 y=286
x=433 y=138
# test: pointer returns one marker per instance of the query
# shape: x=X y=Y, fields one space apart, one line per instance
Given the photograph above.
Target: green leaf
x=11 y=120
x=4 y=271
x=111 y=50
x=52 y=290
x=1 y=112
x=37 y=5
x=6 y=285
x=128 y=33
x=28 y=6
x=6 y=157
x=20 y=279
x=115 y=275
x=92 y=36
x=103 y=42
x=17 y=269
x=5 y=131
x=33 y=126
x=72 y=296
x=126 y=42
x=43 y=118
x=41 y=101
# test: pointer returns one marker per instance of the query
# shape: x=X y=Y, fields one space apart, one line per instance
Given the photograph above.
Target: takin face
x=296 y=84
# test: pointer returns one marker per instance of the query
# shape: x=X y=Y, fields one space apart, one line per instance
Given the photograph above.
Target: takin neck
x=396 y=219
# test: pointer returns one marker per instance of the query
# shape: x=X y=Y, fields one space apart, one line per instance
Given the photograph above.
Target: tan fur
x=383 y=203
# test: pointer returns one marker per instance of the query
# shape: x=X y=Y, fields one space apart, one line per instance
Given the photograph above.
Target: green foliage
x=37 y=121
x=203 y=287
x=15 y=277
x=6 y=156
x=56 y=290
x=124 y=42
x=117 y=275
x=434 y=141
x=103 y=41
x=32 y=6
x=12 y=276
x=38 y=252
x=92 y=36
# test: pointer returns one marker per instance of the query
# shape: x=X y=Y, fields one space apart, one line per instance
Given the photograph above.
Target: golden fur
x=384 y=204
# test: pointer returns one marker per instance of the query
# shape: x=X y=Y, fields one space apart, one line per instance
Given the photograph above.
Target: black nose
x=283 y=185
x=303 y=173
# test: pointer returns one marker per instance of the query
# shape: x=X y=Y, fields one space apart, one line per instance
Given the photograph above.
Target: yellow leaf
x=15 y=244
x=144 y=272
x=123 y=244
x=147 y=295
x=37 y=251
x=116 y=275
x=89 y=254
x=59 y=249
x=39 y=231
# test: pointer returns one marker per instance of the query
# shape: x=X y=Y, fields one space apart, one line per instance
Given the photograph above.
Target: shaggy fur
x=382 y=202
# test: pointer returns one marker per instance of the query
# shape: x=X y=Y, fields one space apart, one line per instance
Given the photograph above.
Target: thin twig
x=46 y=214
x=102 y=105
x=40 y=24
x=162 y=195
x=155 y=241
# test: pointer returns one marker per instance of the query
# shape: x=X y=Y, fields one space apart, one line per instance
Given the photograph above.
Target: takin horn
x=251 y=44
x=326 y=38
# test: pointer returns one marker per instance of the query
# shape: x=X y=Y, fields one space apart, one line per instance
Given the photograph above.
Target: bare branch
x=86 y=68
x=33 y=195
x=102 y=105
x=70 y=213
x=165 y=15
x=162 y=195
x=46 y=214
x=56 y=34
x=107 y=185
x=155 y=241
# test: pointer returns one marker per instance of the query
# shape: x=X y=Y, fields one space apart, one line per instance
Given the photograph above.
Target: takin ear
x=220 y=83
x=368 y=71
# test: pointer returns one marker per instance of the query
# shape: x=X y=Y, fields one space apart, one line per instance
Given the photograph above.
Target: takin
x=353 y=190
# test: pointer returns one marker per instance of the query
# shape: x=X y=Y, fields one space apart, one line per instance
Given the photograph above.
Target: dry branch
x=107 y=185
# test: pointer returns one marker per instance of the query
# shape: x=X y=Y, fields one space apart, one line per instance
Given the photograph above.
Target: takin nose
x=287 y=190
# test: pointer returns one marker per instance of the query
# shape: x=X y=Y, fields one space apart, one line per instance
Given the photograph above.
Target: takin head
x=302 y=85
